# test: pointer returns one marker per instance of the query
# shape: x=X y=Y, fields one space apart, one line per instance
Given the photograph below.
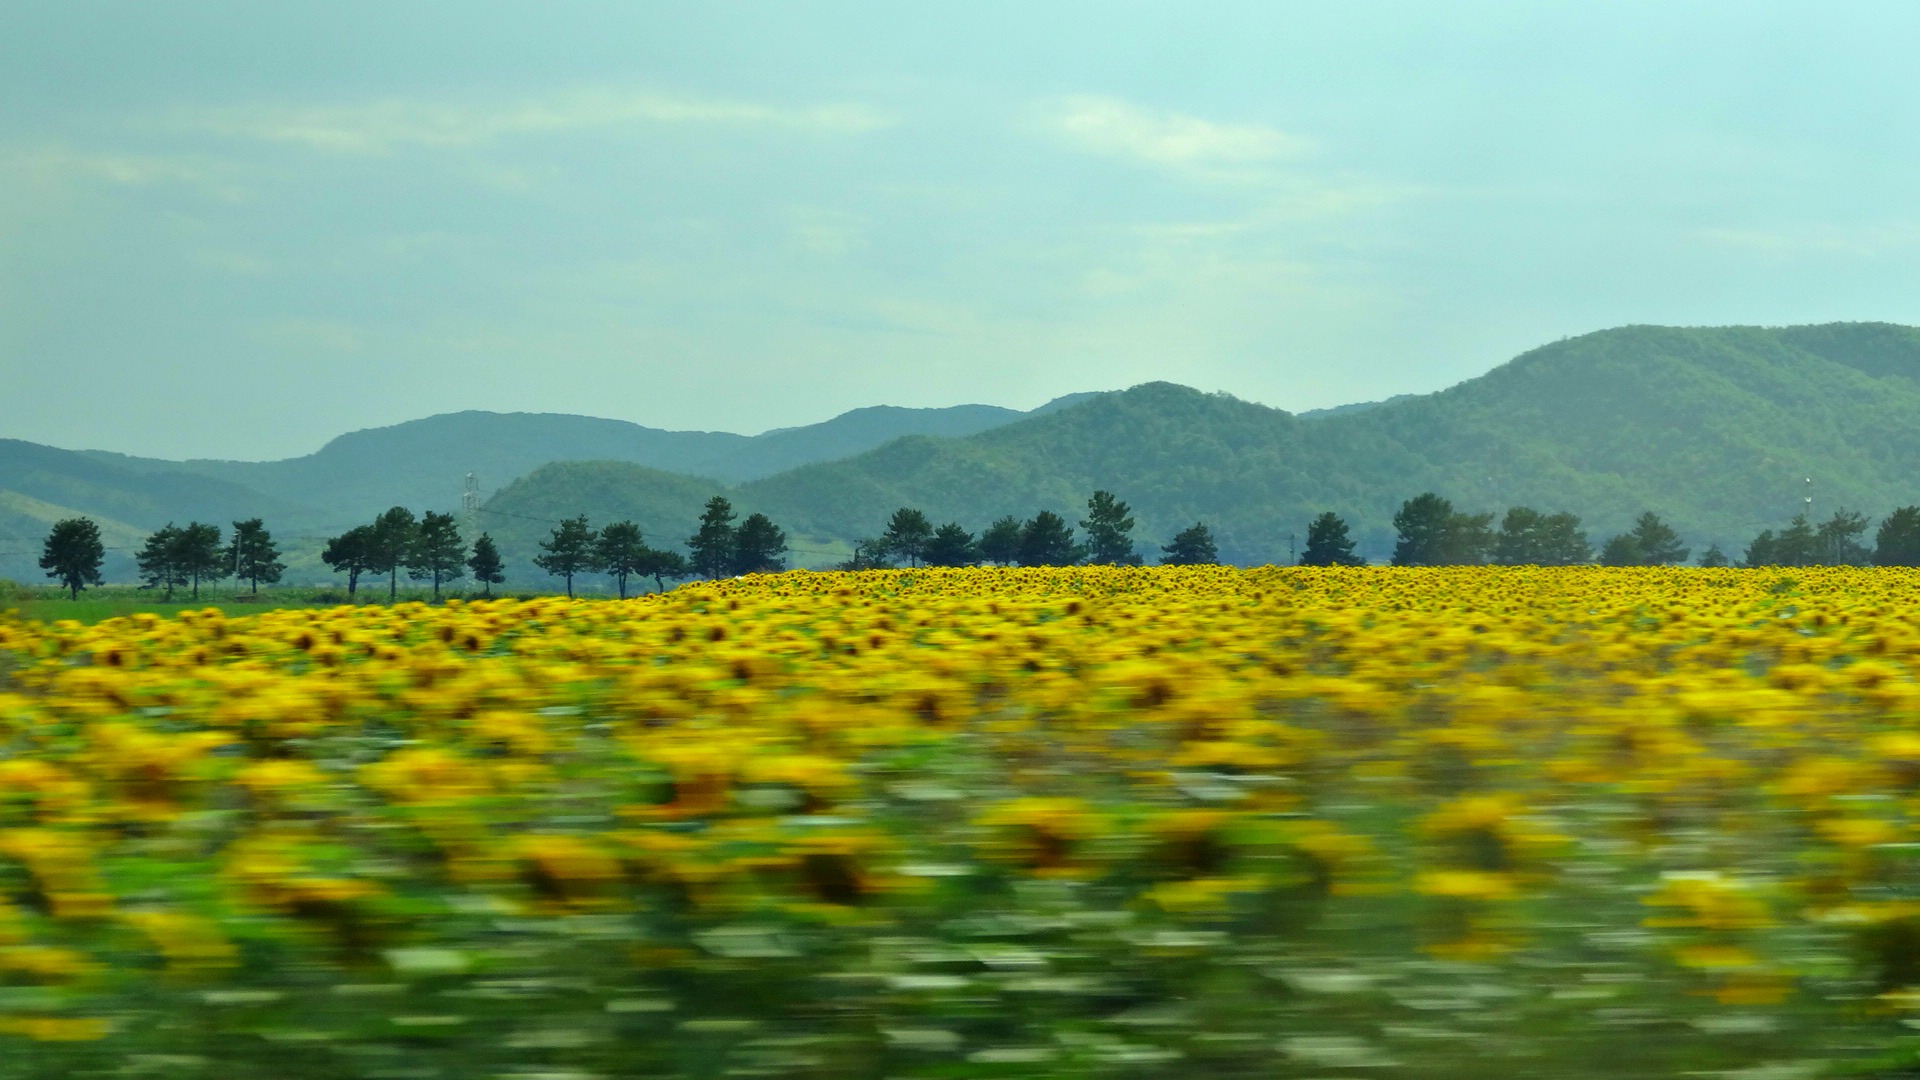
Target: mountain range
x=1717 y=429
x=420 y=464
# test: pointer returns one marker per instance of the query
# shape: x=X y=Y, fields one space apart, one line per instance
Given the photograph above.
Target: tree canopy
x=569 y=550
x=1328 y=543
x=73 y=554
x=438 y=553
x=1109 y=529
x=1190 y=546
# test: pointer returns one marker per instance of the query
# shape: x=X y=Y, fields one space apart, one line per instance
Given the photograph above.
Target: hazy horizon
x=236 y=231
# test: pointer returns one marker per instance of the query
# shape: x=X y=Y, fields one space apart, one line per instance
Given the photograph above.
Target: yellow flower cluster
x=1710 y=765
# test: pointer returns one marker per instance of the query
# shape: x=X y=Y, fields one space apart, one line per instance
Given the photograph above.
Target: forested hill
x=419 y=464
x=1716 y=429
x=422 y=462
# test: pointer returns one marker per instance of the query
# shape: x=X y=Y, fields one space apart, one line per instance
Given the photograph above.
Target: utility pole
x=470 y=504
x=1808 y=501
x=1292 y=559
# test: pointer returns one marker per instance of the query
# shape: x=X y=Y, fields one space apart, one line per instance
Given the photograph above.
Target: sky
x=238 y=229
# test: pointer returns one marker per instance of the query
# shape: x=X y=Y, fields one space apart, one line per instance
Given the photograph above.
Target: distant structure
x=470 y=505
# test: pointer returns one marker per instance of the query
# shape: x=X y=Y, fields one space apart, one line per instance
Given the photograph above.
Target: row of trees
x=172 y=557
x=1431 y=532
x=431 y=549
x=1042 y=540
x=428 y=548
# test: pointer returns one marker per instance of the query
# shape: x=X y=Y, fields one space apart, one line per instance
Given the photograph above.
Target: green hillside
x=420 y=464
x=1714 y=428
x=424 y=463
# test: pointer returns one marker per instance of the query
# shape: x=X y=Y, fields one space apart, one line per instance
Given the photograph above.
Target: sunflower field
x=1064 y=822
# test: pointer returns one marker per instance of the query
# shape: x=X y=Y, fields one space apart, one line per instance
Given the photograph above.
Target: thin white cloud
x=59 y=164
x=1818 y=239
x=1173 y=140
x=381 y=127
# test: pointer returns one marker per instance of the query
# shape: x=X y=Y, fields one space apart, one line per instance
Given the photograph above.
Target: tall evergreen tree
x=199 y=555
x=1529 y=538
x=351 y=553
x=1837 y=540
x=438 y=553
x=759 y=546
x=487 y=567
x=951 y=545
x=1433 y=533
x=159 y=559
x=1191 y=546
x=73 y=554
x=569 y=550
x=710 y=548
x=661 y=565
x=621 y=553
x=1109 y=527
x=1714 y=557
x=389 y=541
x=1795 y=545
x=253 y=555
x=908 y=532
x=1422 y=523
x=1621 y=550
x=1047 y=540
x=1658 y=544
x=1328 y=543
x=869 y=553
x=1000 y=544
x=1897 y=542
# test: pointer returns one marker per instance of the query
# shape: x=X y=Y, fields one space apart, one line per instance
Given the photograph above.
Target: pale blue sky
x=236 y=230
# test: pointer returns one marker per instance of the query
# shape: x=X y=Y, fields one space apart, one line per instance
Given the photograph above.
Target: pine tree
x=199 y=555
x=253 y=555
x=1837 y=540
x=1000 y=544
x=568 y=550
x=1328 y=543
x=1897 y=542
x=1529 y=538
x=908 y=532
x=1047 y=540
x=759 y=546
x=1714 y=557
x=661 y=565
x=951 y=545
x=1422 y=523
x=159 y=559
x=388 y=544
x=621 y=553
x=351 y=553
x=1658 y=545
x=1109 y=526
x=1191 y=546
x=485 y=563
x=73 y=554
x=438 y=554
x=710 y=548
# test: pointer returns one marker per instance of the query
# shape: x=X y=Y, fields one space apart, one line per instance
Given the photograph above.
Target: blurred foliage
x=1092 y=822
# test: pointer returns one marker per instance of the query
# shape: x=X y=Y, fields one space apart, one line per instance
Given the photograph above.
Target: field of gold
x=1081 y=822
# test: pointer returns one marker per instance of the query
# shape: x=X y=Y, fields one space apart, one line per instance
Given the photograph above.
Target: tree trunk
x=569 y=586
x=623 y=585
x=393 y=584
